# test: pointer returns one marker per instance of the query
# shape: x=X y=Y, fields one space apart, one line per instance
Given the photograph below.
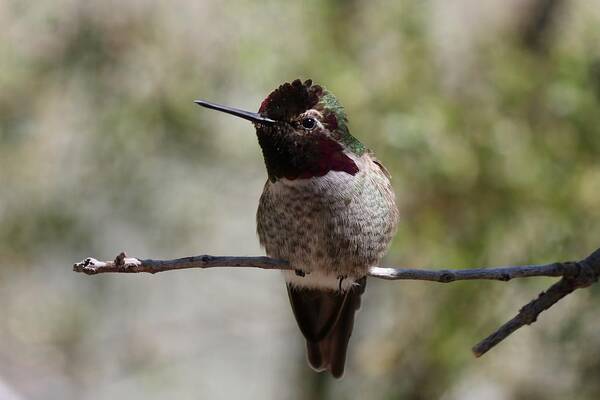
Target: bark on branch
x=574 y=275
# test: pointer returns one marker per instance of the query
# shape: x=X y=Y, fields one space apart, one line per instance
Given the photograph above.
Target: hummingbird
x=327 y=207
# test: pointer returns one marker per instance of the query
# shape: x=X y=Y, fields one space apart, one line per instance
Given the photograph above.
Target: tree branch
x=574 y=275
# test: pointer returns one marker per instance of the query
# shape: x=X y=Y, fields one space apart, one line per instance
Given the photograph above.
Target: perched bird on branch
x=327 y=207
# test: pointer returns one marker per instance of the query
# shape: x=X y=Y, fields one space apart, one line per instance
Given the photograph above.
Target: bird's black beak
x=250 y=116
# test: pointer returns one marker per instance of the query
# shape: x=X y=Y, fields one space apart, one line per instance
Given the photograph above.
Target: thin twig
x=124 y=264
x=574 y=275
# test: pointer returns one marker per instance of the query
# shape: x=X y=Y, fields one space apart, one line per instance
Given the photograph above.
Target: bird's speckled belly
x=337 y=225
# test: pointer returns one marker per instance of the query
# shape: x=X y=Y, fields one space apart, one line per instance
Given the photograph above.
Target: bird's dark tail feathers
x=326 y=319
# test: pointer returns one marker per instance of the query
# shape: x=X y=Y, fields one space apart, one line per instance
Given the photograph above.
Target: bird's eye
x=309 y=123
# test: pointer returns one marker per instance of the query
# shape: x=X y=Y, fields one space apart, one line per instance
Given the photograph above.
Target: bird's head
x=303 y=132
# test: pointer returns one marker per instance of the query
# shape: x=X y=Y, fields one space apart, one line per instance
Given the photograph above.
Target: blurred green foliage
x=492 y=139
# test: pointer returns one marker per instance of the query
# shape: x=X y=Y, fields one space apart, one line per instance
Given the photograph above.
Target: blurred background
x=486 y=113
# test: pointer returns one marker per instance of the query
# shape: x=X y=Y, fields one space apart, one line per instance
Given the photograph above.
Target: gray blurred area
x=486 y=113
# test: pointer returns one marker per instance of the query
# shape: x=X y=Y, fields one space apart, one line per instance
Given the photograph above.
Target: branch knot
x=120 y=259
x=447 y=276
x=584 y=275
